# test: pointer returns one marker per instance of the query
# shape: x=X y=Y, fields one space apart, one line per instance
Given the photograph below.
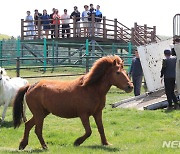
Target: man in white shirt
x=85 y=19
x=65 y=18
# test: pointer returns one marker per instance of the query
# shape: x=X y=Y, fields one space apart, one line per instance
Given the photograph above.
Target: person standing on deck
x=76 y=14
x=30 y=26
x=65 y=19
x=52 y=26
x=98 y=18
x=137 y=73
x=85 y=20
x=169 y=72
x=45 y=22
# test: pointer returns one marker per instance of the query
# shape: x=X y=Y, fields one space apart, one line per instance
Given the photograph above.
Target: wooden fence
x=106 y=29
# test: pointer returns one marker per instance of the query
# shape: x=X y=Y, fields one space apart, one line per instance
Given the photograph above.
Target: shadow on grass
x=6 y=124
x=13 y=150
x=105 y=148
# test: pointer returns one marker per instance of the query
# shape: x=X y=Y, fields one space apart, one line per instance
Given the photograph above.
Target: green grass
x=129 y=130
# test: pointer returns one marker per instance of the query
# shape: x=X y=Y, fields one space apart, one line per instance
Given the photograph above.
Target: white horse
x=8 y=90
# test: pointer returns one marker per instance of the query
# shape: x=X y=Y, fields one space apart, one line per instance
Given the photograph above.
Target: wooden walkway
x=110 y=30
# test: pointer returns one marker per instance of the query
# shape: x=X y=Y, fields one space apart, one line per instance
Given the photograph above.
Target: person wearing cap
x=168 y=71
x=76 y=14
x=65 y=19
x=136 y=73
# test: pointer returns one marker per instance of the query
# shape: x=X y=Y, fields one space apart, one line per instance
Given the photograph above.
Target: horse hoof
x=44 y=147
x=22 y=146
x=76 y=143
x=107 y=144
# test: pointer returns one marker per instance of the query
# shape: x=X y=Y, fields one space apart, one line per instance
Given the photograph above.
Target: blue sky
x=153 y=12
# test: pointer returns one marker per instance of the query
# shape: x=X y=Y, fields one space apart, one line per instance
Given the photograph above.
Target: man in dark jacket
x=137 y=73
x=76 y=14
x=169 y=72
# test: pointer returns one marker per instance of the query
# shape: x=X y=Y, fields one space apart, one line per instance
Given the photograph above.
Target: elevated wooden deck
x=111 y=31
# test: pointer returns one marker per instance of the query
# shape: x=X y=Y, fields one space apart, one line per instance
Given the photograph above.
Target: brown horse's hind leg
x=38 y=130
x=86 y=124
x=28 y=127
x=98 y=120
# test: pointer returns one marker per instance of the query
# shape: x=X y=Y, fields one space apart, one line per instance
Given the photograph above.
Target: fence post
x=113 y=49
x=18 y=67
x=129 y=55
x=53 y=54
x=132 y=36
x=145 y=32
x=56 y=29
x=18 y=53
x=104 y=28
x=39 y=28
x=1 y=48
x=93 y=24
x=74 y=26
x=45 y=54
x=115 y=29
x=22 y=29
x=153 y=34
x=87 y=56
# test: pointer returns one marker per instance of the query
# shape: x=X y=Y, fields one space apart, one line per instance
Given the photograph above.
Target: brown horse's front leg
x=98 y=120
x=86 y=124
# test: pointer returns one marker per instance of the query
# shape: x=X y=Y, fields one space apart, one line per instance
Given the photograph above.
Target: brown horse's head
x=118 y=76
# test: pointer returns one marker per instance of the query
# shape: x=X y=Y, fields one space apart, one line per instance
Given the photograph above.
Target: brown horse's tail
x=18 y=106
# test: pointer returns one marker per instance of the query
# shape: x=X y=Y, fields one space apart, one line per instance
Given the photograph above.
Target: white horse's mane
x=3 y=71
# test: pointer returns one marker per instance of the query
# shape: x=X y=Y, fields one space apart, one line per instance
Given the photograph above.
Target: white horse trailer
x=151 y=56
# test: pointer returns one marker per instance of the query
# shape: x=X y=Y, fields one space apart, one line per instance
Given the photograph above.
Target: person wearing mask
x=56 y=20
x=45 y=22
x=85 y=20
x=98 y=18
x=137 y=73
x=168 y=71
x=30 y=25
x=65 y=19
x=51 y=21
x=76 y=14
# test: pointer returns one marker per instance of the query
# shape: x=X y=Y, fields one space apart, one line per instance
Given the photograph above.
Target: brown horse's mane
x=99 y=69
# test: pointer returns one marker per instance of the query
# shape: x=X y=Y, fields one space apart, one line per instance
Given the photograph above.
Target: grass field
x=129 y=130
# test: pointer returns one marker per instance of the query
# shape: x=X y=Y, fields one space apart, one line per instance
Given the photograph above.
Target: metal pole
x=18 y=47
x=1 y=47
x=53 y=54
x=129 y=54
x=87 y=54
x=113 y=49
x=18 y=67
x=45 y=54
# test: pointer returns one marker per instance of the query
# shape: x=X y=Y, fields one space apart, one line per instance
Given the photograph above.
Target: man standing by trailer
x=137 y=73
x=169 y=72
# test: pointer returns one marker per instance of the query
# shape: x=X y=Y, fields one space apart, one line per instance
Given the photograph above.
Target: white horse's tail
x=18 y=113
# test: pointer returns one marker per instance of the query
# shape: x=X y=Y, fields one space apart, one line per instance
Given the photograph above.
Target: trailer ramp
x=148 y=101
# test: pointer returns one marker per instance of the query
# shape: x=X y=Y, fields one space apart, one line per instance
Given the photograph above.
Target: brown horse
x=82 y=98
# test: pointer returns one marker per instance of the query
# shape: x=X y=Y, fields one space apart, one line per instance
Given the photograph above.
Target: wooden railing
x=108 y=29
